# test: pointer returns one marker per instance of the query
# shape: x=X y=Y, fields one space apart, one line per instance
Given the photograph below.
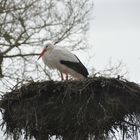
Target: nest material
x=71 y=109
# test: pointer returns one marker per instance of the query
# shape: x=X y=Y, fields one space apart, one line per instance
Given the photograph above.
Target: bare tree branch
x=20 y=55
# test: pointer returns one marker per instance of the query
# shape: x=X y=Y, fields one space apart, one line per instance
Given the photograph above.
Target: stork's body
x=64 y=61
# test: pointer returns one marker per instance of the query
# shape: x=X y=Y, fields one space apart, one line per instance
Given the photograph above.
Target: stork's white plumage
x=64 y=61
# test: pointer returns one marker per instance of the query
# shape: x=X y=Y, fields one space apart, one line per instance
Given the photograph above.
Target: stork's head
x=49 y=46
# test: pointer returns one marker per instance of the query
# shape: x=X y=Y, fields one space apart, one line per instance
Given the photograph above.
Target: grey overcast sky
x=115 y=33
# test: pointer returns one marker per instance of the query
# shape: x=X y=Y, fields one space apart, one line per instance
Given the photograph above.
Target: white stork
x=64 y=61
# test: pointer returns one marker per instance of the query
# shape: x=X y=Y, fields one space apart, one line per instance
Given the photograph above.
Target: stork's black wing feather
x=76 y=66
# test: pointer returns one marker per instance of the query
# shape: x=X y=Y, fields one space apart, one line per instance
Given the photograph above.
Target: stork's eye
x=46 y=46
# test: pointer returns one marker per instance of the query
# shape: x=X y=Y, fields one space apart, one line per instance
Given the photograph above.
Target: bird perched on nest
x=64 y=61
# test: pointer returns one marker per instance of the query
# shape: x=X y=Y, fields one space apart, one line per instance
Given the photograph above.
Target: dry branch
x=71 y=109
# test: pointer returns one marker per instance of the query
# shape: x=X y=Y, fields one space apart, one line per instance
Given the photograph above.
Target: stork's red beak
x=42 y=53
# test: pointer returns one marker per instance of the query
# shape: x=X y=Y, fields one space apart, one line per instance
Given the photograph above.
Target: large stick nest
x=71 y=109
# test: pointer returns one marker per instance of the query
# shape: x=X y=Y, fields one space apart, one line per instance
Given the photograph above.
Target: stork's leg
x=62 y=78
x=67 y=76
